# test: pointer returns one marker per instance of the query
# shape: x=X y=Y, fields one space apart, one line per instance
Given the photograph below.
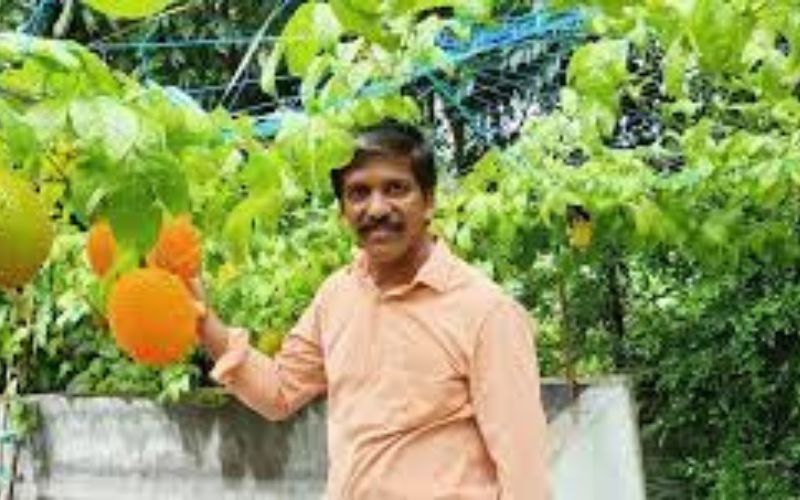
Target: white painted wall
x=596 y=453
x=104 y=448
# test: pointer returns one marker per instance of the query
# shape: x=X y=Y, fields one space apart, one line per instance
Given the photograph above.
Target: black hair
x=391 y=139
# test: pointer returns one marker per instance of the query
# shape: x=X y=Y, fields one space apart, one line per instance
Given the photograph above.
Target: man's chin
x=382 y=253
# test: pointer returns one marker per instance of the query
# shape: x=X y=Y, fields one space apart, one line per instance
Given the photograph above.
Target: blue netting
x=535 y=25
x=513 y=32
x=475 y=58
x=39 y=20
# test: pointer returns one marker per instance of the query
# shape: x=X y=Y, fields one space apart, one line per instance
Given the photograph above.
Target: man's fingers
x=196 y=287
x=202 y=310
x=239 y=331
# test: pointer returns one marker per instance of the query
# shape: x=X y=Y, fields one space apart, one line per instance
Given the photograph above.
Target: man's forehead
x=382 y=167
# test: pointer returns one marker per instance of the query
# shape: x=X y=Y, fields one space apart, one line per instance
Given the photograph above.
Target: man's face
x=386 y=207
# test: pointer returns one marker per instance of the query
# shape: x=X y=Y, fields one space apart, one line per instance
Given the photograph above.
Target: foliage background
x=204 y=70
x=679 y=145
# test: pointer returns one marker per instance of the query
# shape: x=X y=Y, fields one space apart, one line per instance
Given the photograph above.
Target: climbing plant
x=101 y=145
x=653 y=216
x=648 y=216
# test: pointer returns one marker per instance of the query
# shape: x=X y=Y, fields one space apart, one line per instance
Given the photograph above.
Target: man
x=428 y=367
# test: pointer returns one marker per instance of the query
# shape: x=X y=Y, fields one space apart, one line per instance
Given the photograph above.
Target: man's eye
x=397 y=188
x=357 y=193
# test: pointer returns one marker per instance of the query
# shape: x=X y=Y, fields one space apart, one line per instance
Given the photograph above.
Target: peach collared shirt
x=432 y=388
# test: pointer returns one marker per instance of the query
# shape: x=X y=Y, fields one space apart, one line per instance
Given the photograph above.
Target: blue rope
x=216 y=88
x=174 y=44
x=447 y=92
x=209 y=89
x=512 y=32
x=290 y=102
x=145 y=60
x=34 y=23
x=537 y=26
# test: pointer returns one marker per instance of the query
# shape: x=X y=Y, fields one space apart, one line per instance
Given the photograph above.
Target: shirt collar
x=434 y=272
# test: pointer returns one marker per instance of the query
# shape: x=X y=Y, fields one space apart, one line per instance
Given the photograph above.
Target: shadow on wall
x=101 y=448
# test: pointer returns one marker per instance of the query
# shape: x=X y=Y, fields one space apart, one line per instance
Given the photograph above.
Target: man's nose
x=377 y=206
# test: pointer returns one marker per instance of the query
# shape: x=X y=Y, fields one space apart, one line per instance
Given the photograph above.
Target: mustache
x=385 y=223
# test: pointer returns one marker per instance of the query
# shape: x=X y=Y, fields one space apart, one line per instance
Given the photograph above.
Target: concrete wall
x=595 y=441
x=104 y=448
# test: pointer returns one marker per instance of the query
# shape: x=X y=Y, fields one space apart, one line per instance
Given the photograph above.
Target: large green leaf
x=598 y=70
x=343 y=86
x=367 y=111
x=312 y=29
x=264 y=170
x=369 y=7
x=650 y=220
x=717 y=227
x=132 y=210
x=473 y=8
x=130 y=9
x=269 y=62
x=16 y=46
x=676 y=63
x=107 y=122
x=167 y=181
x=101 y=78
x=313 y=146
x=47 y=118
x=317 y=71
x=356 y=21
x=91 y=184
x=791 y=30
x=17 y=135
x=719 y=30
x=239 y=225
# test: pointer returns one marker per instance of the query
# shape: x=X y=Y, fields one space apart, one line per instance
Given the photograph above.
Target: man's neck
x=401 y=272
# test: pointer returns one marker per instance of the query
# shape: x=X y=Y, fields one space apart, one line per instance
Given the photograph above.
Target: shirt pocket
x=428 y=401
x=428 y=389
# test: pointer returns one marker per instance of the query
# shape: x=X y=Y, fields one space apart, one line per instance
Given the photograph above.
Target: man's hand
x=198 y=291
x=211 y=331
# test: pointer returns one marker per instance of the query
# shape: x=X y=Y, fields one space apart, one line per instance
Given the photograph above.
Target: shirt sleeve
x=505 y=389
x=276 y=387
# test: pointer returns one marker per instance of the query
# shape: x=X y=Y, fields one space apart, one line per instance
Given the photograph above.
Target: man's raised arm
x=277 y=387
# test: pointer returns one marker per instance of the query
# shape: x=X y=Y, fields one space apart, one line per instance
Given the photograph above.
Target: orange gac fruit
x=178 y=249
x=153 y=316
x=101 y=247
